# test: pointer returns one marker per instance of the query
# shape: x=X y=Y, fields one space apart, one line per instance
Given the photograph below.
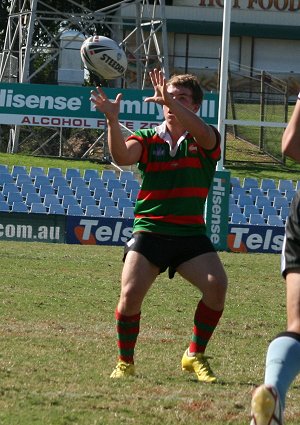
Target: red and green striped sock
x=205 y=322
x=127 y=330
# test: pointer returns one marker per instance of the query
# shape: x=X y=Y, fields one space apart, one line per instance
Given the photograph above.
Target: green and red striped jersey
x=175 y=184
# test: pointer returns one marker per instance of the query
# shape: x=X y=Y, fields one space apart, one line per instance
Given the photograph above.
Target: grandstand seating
x=74 y=210
x=38 y=208
x=72 y=172
x=267 y=184
x=89 y=174
x=93 y=211
x=90 y=193
x=111 y=211
x=274 y=220
x=19 y=207
x=54 y=172
x=56 y=209
x=257 y=219
x=128 y=212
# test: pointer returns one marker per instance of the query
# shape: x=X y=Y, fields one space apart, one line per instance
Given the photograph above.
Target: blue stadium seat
x=233 y=208
x=19 y=207
x=32 y=198
x=77 y=181
x=105 y=201
x=268 y=210
x=41 y=180
x=6 y=178
x=124 y=202
x=64 y=190
x=93 y=211
x=231 y=199
x=14 y=197
x=46 y=189
x=9 y=187
x=285 y=184
x=255 y=191
x=275 y=220
x=131 y=184
x=108 y=174
x=4 y=207
x=100 y=193
x=118 y=193
x=284 y=212
x=38 y=208
x=250 y=209
x=96 y=183
x=2 y=197
x=267 y=184
x=69 y=200
x=74 y=210
x=113 y=184
x=72 y=172
x=27 y=188
x=257 y=219
x=235 y=182
x=18 y=169
x=4 y=169
x=56 y=209
x=89 y=174
x=87 y=200
x=128 y=212
x=82 y=191
x=133 y=194
x=36 y=171
x=245 y=200
x=262 y=201
x=59 y=181
x=236 y=191
x=111 y=211
x=271 y=193
x=250 y=182
x=23 y=178
x=54 y=172
x=50 y=199
x=280 y=202
x=238 y=218
x=126 y=175
x=289 y=195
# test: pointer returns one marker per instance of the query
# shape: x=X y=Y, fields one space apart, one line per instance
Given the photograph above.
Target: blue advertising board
x=98 y=231
x=255 y=239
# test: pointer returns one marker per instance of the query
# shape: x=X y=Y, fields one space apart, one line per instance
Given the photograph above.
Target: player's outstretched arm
x=202 y=133
x=122 y=153
x=291 y=137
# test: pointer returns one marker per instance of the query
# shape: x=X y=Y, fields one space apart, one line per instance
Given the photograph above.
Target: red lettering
x=25 y=120
x=101 y=123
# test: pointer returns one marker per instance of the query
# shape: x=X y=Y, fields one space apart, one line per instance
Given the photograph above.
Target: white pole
x=224 y=78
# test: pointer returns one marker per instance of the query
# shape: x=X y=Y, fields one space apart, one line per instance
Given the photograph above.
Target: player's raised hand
x=110 y=108
x=159 y=83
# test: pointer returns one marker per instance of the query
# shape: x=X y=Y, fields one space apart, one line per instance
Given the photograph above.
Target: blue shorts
x=166 y=251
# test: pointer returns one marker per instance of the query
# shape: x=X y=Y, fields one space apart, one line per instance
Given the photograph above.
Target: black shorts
x=290 y=257
x=168 y=251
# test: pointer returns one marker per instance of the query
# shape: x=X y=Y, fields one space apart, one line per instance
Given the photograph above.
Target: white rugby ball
x=104 y=57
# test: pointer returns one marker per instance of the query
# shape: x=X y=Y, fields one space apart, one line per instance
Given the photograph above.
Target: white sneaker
x=265 y=407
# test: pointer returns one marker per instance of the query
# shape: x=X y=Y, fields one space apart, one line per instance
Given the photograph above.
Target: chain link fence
x=257 y=105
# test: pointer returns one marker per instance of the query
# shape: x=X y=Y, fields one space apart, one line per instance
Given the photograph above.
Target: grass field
x=58 y=341
x=58 y=344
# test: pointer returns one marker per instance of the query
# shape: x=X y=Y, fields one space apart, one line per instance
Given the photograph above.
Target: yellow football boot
x=123 y=370
x=198 y=364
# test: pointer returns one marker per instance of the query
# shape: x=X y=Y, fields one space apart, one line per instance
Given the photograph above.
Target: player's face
x=182 y=95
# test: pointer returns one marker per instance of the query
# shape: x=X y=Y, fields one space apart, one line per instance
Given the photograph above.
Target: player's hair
x=189 y=81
